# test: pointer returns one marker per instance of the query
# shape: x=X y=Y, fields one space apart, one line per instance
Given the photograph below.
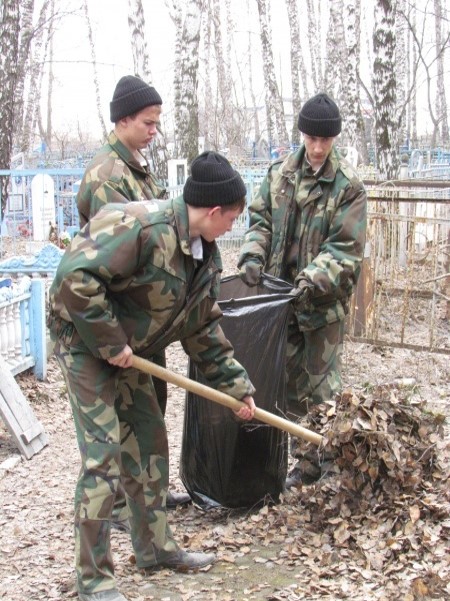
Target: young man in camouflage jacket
x=119 y=172
x=136 y=278
x=307 y=226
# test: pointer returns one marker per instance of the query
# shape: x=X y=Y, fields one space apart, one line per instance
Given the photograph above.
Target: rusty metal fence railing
x=403 y=296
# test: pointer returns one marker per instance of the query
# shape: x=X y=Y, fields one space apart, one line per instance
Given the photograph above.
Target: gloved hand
x=302 y=296
x=250 y=273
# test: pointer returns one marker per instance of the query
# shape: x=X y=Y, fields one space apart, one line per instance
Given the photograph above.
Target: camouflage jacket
x=114 y=175
x=325 y=216
x=129 y=277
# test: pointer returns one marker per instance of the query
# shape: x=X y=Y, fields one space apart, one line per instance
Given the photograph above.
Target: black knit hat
x=131 y=95
x=213 y=182
x=320 y=117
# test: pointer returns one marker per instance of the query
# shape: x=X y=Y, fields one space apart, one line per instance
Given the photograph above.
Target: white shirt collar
x=197 y=248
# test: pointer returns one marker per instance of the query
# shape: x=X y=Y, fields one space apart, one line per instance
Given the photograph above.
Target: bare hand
x=247 y=412
x=123 y=359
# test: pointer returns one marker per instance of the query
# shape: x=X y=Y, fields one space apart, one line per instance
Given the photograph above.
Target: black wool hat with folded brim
x=213 y=182
x=320 y=117
x=131 y=95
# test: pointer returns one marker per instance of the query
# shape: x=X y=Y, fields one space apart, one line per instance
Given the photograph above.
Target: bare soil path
x=306 y=547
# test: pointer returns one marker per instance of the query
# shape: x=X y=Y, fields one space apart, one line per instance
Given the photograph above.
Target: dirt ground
x=274 y=552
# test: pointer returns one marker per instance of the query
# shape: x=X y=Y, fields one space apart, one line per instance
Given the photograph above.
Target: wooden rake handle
x=223 y=399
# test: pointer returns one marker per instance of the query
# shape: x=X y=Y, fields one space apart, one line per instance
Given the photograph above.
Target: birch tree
x=9 y=51
x=209 y=117
x=297 y=65
x=94 y=67
x=177 y=17
x=418 y=34
x=337 y=55
x=46 y=133
x=314 y=47
x=187 y=107
x=384 y=89
x=276 y=123
x=26 y=36
x=354 y=125
x=136 y=23
x=441 y=100
x=256 y=125
x=224 y=105
x=36 y=61
x=401 y=68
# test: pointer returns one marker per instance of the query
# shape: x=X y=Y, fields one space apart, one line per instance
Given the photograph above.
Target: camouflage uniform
x=115 y=175
x=129 y=277
x=309 y=229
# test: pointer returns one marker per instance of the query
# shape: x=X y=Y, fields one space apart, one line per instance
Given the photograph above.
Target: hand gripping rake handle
x=223 y=399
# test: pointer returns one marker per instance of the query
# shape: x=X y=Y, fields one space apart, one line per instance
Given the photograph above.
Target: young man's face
x=218 y=221
x=317 y=149
x=137 y=131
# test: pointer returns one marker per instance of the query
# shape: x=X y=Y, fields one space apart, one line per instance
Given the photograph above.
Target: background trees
x=232 y=74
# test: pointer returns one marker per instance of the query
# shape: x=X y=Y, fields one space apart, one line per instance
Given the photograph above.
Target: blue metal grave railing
x=17 y=220
x=22 y=326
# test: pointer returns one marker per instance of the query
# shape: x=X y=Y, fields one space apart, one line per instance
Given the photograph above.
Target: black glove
x=250 y=273
x=302 y=297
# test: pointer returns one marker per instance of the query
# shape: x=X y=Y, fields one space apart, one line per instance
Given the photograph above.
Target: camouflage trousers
x=313 y=366
x=121 y=436
x=120 y=512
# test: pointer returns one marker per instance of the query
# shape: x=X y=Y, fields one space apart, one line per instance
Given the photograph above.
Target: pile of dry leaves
x=385 y=499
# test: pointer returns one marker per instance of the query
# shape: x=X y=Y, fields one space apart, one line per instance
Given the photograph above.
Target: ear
x=124 y=121
x=213 y=210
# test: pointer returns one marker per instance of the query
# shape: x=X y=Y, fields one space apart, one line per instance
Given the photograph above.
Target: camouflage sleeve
x=100 y=195
x=258 y=238
x=208 y=347
x=336 y=267
x=104 y=250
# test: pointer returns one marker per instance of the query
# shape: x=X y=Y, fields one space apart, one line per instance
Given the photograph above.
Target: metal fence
x=406 y=280
x=403 y=296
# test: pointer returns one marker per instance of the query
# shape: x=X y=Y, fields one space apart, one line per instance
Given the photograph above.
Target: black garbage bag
x=224 y=461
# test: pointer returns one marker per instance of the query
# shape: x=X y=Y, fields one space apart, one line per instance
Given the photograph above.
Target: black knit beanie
x=213 y=182
x=131 y=95
x=320 y=117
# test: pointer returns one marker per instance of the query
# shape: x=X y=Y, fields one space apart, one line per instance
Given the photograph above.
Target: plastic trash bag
x=224 y=461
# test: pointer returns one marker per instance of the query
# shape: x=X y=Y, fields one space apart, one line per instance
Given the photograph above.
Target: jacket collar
x=294 y=161
x=126 y=156
x=182 y=224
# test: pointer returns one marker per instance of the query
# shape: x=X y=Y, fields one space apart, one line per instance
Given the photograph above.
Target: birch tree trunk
x=26 y=36
x=209 y=121
x=314 y=47
x=296 y=61
x=337 y=60
x=256 y=126
x=355 y=129
x=176 y=15
x=401 y=69
x=384 y=87
x=157 y=152
x=187 y=71
x=441 y=100
x=224 y=106
x=94 y=66
x=413 y=100
x=9 y=51
x=35 y=76
x=51 y=27
x=276 y=123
